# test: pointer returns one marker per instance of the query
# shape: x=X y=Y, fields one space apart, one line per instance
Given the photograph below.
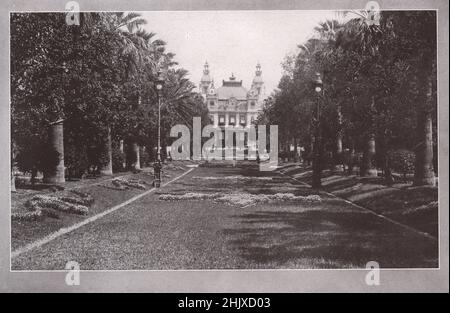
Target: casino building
x=232 y=104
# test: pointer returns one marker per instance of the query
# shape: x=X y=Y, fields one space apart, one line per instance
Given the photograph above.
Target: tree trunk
x=107 y=168
x=124 y=163
x=351 y=158
x=34 y=172
x=13 y=182
x=296 y=154
x=55 y=174
x=424 y=173
x=136 y=156
x=318 y=152
x=337 y=158
x=367 y=166
x=388 y=178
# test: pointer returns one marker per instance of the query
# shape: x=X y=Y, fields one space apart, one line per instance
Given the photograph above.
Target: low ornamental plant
x=41 y=206
x=237 y=178
x=242 y=199
x=43 y=202
x=123 y=184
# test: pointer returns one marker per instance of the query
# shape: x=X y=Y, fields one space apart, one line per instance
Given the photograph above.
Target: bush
x=39 y=156
x=76 y=161
x=144 y=157
x=402 y=161
x=118 y=159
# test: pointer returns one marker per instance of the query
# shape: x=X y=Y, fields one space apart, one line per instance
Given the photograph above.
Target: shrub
x=144 y=157
x=401 y=161
x=75 y=160
x=118 y=160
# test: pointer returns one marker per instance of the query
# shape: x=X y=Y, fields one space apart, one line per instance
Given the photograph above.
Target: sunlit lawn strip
x=29 y=229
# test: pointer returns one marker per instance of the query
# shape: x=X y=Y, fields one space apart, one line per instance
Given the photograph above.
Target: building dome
x=232 y=89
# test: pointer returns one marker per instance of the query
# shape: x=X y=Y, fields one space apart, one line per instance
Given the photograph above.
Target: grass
x=202 y=234
x=413 y=206
x=27 y=231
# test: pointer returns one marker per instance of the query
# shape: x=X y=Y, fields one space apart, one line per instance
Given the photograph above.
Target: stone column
x=216 y=119
x=238 y=120
x=227 y=119
x=55 y=175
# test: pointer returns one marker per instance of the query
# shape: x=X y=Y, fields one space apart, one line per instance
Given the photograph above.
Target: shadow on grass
x=413 y=206
x=328 y=239
x=416 y=206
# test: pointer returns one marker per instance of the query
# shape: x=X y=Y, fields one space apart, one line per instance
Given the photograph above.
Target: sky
x=234 y=41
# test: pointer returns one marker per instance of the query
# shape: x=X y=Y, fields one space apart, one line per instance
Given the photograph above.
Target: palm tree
x=329 y=32
x=360 y=35
x=133 y=46
x=421 y=27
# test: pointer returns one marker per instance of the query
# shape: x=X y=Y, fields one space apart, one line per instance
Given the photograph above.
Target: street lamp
x=157 y=166
x=317 y=168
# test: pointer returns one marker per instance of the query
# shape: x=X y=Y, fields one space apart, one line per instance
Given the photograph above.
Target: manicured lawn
x=24 y=232
x=154 y=234
x=414 y=206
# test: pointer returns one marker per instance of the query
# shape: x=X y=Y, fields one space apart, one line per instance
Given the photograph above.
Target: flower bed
x=43 y=202
x=241 y=199
x=123 y=184
x=237 y=178
x=40 y=206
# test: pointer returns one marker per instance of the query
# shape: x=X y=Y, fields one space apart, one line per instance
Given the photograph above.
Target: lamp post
x=317 y=166
x=157 y=166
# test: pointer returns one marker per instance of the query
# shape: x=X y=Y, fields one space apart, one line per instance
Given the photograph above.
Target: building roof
x=227 y=92
x=232 y=89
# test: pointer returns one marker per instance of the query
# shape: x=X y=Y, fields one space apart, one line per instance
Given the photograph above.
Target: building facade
x=232 y=104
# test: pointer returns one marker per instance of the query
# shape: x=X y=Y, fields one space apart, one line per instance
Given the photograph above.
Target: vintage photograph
x=224 y=140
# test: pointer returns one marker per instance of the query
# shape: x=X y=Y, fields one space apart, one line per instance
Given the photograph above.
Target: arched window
x=211 y=103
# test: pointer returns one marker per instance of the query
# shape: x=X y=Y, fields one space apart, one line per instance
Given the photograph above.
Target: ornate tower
x=258 y=82
x=205 y=81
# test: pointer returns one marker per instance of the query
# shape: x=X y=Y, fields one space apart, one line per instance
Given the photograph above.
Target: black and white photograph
x=172 y=140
